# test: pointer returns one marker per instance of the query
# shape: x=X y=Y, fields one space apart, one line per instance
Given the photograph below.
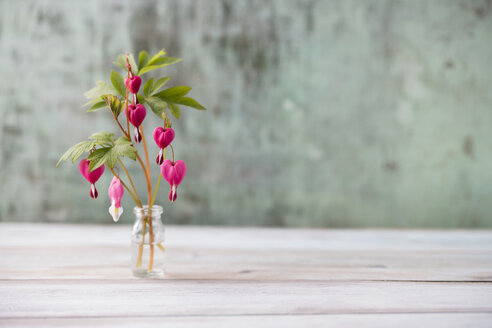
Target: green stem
x=131 y=182
x=158 y=182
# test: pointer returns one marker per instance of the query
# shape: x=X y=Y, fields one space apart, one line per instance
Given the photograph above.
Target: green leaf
x=158 y=63
x=159 y=83
x=148 y=87
x=143 y=59
x=175 y=110
x=102 y=137
x=190 y=102
x=157 y=105
x=152 y=87
x=141 y=99
x=76 y=151
x=97 y=106
x=98 y=157
x=109 y=155
x=118 y=83
x=121 y=63
x=173 y=93
x=114 y=103
x=161 y=53
x=102 y=88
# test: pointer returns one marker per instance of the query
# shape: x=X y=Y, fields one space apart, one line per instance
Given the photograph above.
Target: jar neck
x=144 y=212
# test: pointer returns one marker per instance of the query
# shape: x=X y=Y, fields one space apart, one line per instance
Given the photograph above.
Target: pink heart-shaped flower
x=136 y=114
x=93 y=176
x=174 y=174
x=163 y=137
x=134 y=84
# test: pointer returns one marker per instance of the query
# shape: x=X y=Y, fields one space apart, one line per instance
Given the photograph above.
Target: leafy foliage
x=102 y=88
x=157 y=61
x=152 y=87
x=172 y=98
x=118 y=83
x=77 y=150
x=109 y=154
x=102 y=147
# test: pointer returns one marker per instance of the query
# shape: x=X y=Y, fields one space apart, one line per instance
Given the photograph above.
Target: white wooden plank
x=449 y=320
x=78 y=251
x=79 y=298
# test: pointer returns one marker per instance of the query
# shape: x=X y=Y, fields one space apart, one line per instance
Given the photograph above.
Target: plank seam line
x=249 y=314
x=170 y=280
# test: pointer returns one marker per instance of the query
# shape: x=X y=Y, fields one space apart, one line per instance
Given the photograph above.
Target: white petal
x=115 y=212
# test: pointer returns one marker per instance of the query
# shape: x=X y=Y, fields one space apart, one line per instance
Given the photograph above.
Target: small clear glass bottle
x=148 y=242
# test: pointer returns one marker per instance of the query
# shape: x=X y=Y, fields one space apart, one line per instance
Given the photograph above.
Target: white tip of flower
x=115 y=212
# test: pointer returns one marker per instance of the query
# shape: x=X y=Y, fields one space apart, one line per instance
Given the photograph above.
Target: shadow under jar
x=148 y=242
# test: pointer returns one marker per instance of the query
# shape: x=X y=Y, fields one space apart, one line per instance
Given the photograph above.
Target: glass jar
x=148 y=242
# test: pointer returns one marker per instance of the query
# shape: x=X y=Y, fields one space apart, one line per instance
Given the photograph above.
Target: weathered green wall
x=321 y=113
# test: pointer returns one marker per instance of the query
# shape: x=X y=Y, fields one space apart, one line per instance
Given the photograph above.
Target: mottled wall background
x=321 y=113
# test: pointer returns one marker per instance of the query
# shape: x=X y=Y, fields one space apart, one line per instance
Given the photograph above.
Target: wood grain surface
x=78 y=275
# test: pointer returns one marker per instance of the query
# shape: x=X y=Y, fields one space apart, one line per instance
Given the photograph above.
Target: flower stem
x=130 y=179
x=140 y=247
x=158 y=182
x=137 y=201
x=149 y=193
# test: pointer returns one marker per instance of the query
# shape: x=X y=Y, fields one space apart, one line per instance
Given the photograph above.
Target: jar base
x=144 y=273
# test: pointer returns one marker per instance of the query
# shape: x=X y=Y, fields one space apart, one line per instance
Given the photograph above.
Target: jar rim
x=156 y=209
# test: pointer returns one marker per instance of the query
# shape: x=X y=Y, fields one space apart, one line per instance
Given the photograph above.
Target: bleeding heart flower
x=115 y=193
x=163 y=138
x=134 y=84
x=92 y=177
x=174 y=174
x=136 y=115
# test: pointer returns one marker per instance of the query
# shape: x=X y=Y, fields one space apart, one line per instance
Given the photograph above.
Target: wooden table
x=55 y=275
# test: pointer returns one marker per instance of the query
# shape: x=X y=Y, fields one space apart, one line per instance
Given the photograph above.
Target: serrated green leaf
x=97 y=106
x=175 y=110
x=102 y=88
x=173 y=93
x=124 y=147
x=157 y=106
x=76 y=151
x=148 y=87
x=190 y=102
x=143 y=59
x=98 y=157
x=158 y=63
x=109 y=155
x=118 y=83
x=102 y=137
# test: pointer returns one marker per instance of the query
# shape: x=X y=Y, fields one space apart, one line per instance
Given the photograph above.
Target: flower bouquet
x=106 y=150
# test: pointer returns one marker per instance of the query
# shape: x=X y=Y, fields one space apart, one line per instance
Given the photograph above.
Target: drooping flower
x=115 y=193
x=133 y=84
x=163 y=138
x=136 y=115
x=174 y=174
x=92 y=177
